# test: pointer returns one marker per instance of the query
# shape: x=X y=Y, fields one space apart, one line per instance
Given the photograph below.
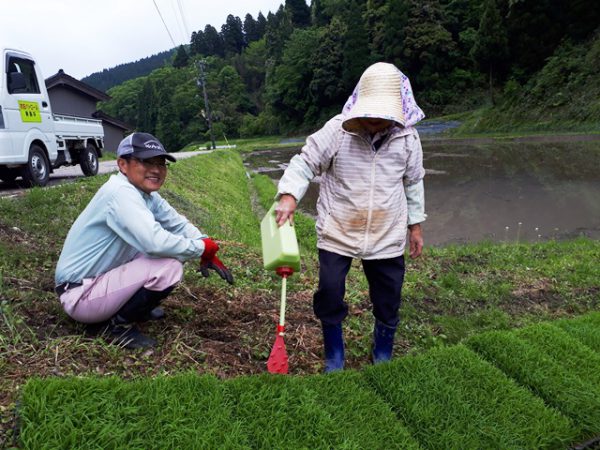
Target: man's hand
x=216 y=265
x=209 y=260
x=285 y=209
x=210 y=248
x=416 y=240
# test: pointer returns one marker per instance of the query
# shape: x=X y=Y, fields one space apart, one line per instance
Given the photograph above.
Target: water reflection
x=499 y=191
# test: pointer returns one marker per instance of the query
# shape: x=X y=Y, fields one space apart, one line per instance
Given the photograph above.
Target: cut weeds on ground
x=450 y=293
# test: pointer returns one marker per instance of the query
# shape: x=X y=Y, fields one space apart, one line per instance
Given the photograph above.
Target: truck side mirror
x=16 y=82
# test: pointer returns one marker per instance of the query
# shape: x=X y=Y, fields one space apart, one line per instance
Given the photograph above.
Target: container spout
x=284 y=271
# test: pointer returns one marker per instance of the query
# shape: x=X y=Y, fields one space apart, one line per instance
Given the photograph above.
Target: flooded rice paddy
x=500 y=191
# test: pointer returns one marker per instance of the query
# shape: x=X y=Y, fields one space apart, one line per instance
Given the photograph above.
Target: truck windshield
x=27 y=68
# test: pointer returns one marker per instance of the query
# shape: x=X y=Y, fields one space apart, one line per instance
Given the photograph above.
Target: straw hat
x=378 y=95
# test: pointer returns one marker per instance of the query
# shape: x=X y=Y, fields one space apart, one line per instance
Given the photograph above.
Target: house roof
x=112 y=120
x=62 y=79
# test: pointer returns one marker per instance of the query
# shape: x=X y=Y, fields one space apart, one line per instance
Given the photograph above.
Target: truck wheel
x=88 y=160
x=8 y=175
x=37 y=170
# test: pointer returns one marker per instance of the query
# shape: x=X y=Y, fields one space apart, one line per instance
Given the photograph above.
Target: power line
x=178 y=21
x=185 y=26
x=163 y=21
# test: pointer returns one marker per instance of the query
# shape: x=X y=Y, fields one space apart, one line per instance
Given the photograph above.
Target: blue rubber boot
x=383 y=342
x=333 y=341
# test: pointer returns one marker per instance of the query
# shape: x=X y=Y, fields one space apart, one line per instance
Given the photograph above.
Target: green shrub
x=264 y=124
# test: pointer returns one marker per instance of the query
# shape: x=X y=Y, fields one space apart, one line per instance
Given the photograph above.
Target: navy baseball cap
x=142 y=146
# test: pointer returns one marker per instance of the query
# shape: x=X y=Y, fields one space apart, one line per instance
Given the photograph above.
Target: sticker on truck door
x=30 y=111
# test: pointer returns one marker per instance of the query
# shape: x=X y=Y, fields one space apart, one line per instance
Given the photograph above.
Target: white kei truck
x=33 y=140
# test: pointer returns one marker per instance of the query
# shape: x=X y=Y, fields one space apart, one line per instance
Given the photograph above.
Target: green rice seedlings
x=450 y=398
x=564 y=349
x=556 y=385
x=185 y=411
x=585 y=328
x=322 y=411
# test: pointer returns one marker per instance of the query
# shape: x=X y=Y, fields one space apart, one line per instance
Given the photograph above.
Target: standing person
x=124 y=253
x=370 y=162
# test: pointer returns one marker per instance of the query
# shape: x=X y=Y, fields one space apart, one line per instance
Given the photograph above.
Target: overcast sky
x=86 y=36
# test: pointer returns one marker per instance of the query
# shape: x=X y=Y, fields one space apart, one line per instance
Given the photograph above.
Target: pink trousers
x=98 y=299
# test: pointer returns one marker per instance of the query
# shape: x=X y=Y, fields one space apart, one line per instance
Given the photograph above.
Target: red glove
x=209 y=260
x=210 y=248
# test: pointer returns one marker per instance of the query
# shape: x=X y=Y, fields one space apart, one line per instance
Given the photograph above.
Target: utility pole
x=202 y=82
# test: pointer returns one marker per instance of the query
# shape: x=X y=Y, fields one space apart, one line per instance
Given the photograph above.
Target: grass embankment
x=515 y=122
x=450 y=293
x=445 y=398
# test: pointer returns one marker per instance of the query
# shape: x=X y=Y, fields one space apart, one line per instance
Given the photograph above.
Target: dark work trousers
x=385 y=277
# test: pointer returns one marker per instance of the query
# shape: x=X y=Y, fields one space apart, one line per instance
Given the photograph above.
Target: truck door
x=27 y=106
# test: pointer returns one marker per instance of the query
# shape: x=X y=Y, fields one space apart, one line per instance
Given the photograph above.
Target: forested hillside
x=564 y=95
x=116 y=75
x=288 y=71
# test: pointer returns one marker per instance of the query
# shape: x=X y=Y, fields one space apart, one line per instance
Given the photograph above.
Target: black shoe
x=129 y=336
x=102 y=328
x=156 y=314
x=95 y=329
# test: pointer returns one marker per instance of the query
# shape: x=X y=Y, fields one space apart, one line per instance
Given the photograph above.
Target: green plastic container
x=279 y=244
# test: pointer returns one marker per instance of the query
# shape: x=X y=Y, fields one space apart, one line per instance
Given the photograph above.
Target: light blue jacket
x=119 y=222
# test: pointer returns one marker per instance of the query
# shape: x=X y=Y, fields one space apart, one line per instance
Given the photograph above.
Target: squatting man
x=124 y=254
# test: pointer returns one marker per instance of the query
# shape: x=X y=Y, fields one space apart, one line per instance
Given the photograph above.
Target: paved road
x=70 y=173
